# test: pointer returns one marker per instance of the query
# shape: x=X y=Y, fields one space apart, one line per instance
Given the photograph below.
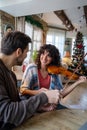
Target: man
x=13 y=111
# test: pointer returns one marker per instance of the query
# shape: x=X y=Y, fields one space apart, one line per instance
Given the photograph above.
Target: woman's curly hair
x=53 y=52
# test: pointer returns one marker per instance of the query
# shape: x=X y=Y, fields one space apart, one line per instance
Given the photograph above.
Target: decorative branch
x=35 y=20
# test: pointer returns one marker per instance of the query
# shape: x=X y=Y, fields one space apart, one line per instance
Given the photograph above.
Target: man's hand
x=42 y=90
x=53 y=96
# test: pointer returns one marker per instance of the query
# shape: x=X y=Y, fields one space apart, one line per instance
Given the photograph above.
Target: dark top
x=14 y=111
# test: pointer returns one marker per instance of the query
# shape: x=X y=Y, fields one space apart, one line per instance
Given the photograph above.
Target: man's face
x=22 y=56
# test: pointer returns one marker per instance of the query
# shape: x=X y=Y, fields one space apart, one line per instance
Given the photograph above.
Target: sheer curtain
x=85 y=44
x=36 y=35
x=56 y=37
x=37 y=41
x=29 y=32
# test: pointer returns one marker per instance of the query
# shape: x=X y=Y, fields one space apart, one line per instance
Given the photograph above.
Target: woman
x=36 y=78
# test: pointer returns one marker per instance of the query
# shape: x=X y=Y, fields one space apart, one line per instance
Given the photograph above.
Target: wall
x=0 y=31
x=4 y=20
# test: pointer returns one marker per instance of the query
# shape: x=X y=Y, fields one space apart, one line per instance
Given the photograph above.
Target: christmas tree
x=78 y=56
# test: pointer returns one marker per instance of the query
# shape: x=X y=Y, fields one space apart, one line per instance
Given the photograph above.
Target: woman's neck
x=43 y=68
x=44 y=72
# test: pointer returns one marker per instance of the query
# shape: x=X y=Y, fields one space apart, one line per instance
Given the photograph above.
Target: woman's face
x=45 y=58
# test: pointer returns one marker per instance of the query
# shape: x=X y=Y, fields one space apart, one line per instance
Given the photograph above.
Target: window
x=36 y=36
x=29 y=32
x=28 y=29
x=85 y=44
x=56 y=37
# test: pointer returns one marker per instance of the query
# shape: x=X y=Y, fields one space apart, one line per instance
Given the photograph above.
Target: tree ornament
x=79 y=46
x=78 y=55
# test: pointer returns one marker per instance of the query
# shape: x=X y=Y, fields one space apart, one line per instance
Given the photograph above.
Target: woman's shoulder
x=55 y=76
x=30 y=69
x=30 y=65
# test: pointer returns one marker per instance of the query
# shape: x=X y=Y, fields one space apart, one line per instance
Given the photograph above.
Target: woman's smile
x=45 y=58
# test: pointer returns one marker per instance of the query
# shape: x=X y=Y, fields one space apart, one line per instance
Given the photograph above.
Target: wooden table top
x=65 y=119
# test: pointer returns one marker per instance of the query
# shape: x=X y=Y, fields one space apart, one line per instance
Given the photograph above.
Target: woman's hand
x=82 y=79
x=65 y=91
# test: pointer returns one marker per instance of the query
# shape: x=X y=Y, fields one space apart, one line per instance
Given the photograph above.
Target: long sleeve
x=30 y=77
x=16 y=112
x=13 y=110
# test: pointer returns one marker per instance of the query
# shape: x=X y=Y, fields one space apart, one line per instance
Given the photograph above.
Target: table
x=77 y=99
x=65 y=119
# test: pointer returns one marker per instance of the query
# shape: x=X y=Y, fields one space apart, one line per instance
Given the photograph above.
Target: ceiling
x=73 y=9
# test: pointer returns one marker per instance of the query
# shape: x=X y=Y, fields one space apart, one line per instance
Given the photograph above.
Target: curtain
x=56 y=37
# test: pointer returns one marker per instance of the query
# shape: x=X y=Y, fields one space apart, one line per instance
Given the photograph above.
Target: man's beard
x=19 y=62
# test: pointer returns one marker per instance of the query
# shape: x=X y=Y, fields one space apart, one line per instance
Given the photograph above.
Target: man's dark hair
x=14 y=40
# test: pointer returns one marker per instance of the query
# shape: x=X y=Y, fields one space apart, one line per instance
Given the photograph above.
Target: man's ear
x=18 y=52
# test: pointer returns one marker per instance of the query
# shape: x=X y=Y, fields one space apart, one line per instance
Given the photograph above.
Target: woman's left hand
x=82 y=79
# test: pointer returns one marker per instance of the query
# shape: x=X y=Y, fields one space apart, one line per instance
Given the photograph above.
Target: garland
x=35 y=20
